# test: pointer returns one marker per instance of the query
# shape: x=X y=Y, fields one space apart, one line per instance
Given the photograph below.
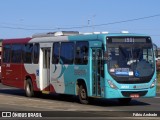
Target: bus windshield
x=131 y=60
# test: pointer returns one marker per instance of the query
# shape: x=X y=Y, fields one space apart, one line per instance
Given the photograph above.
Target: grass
x=158 y=81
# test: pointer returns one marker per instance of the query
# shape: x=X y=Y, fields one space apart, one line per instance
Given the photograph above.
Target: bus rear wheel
x=82 y=93
x=124 y=101
x=29 y=88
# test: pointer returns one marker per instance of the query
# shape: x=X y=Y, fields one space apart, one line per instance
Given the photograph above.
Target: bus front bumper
x=117 y=93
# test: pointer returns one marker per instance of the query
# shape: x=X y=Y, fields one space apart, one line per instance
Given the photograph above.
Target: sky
x=23 y=18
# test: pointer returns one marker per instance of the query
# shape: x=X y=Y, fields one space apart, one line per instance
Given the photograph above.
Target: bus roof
x=102 y=36
x=77 y=37
x=16 y=40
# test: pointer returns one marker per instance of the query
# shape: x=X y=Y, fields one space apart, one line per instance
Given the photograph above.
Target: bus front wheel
x=82 y=93
x=29 y=88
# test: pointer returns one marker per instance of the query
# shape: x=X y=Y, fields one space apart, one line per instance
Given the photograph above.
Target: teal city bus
x=96 y=65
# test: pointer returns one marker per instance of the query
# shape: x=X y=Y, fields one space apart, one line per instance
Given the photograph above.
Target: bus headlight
x=153 y=83
x=112 y=85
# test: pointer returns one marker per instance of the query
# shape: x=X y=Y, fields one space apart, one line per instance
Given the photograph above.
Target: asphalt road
x=12 y=99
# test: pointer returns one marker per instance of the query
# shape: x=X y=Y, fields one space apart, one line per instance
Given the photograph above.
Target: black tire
x=29 y=88
x=82 y=93
x=124 y=101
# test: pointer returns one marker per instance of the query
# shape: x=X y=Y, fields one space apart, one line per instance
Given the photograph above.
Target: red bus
x=13 y=68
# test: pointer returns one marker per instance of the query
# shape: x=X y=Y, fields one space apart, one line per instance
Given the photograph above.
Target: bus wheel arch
x=82 y=91
x=29 y=87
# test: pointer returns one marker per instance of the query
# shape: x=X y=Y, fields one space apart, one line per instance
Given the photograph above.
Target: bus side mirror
x=155 y=48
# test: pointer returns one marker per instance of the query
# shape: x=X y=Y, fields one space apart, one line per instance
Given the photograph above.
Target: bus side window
x=36 y=53
x=27 y=53
x=55 y=53
x=81 y=54
x=6 y=53
x=16 y=53
x=67 y=53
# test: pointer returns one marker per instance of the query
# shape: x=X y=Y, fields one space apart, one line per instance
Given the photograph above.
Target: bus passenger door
x=96 y=71
x=45 y=70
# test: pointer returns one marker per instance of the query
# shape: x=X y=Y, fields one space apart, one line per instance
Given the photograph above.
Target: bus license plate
x=134 y=95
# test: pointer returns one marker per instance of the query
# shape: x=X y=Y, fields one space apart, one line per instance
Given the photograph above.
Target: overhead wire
x=80 y=27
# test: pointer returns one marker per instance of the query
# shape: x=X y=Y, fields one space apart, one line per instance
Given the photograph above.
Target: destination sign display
x=128 y=40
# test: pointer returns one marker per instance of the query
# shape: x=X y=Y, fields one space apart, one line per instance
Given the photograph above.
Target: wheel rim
x=28 y=89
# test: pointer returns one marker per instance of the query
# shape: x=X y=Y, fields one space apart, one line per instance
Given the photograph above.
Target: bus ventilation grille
x=128 y=93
